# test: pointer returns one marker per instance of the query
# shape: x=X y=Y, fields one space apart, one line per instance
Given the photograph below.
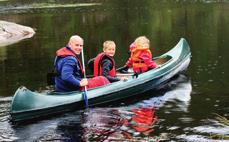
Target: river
x=190 y=108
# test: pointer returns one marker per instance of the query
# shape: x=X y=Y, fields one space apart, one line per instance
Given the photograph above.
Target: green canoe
x=30 y=105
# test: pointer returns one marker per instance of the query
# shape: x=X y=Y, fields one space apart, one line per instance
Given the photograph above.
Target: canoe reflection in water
x=177 y=91
x=136 y=121
x=118 y=124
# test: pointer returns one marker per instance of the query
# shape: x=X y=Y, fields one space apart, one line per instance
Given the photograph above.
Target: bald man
x=69 y=69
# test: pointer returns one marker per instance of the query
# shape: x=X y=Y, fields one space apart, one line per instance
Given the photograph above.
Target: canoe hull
x=30 y=105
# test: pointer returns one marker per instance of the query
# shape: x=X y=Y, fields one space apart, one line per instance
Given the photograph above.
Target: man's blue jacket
x=69 y=70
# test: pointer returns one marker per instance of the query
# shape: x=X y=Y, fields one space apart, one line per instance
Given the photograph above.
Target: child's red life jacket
x=98 y=67
x=136 y=53
x=140 y=59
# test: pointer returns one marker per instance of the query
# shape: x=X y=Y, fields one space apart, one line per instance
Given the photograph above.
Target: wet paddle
x=85 y=87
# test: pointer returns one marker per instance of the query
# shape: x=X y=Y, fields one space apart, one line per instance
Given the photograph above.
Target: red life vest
x=139 y=63
x=141 y=59
x=65 y=51
x=98 y=67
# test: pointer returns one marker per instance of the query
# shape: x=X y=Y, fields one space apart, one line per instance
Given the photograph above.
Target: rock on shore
x=11 y=33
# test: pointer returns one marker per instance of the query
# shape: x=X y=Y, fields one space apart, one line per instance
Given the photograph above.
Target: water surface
x=186 y=110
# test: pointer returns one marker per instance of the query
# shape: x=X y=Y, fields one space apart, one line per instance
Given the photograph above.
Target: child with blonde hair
x=141 y=57
x=104 y=63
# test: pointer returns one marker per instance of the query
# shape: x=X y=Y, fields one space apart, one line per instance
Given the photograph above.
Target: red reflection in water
x=142 y=122
x=118 y=124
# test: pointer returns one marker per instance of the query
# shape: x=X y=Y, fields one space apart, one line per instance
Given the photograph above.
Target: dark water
x=185 y=110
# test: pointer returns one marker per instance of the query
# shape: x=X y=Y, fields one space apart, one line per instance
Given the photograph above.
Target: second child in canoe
x=104 y=63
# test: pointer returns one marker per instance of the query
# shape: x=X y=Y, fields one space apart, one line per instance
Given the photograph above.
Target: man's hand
x=83 y=82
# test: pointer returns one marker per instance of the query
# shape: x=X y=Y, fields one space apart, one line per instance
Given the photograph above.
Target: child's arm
x=129 y=63
x=147 y=58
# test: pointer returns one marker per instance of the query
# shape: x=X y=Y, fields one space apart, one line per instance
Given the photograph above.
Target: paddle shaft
x=85 y=87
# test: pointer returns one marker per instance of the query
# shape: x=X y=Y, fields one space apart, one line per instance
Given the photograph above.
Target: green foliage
x=222 y=120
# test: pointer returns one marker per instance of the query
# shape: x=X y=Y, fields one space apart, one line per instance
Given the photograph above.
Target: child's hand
x=124 y=78
x=124 y=69
x=158 y=66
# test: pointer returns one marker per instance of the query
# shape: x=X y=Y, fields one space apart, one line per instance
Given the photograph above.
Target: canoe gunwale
x=156 y=77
